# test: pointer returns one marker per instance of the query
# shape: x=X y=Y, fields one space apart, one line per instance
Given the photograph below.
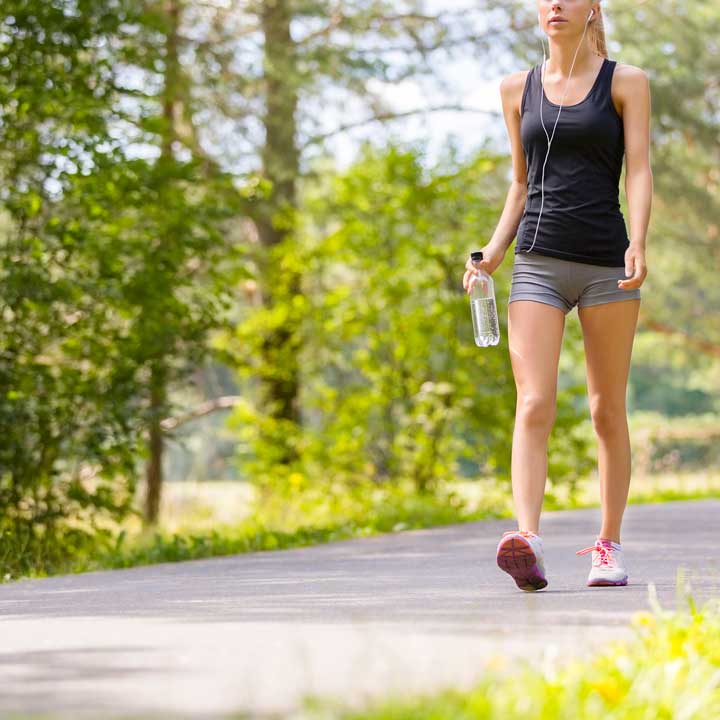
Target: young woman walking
x=570 y=120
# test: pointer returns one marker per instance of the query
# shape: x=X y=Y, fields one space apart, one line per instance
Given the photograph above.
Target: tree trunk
x=154 y=466
x=158 y=380
x=279 y=374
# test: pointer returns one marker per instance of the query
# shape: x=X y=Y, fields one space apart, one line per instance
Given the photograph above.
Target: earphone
x=550 y=138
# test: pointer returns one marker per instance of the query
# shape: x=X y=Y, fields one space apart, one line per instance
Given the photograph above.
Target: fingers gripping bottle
x=482 y=305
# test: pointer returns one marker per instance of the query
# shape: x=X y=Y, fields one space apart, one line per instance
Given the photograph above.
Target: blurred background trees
x=180 y=237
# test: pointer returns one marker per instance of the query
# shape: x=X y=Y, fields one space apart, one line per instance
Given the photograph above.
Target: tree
x=114 y=270
x=66 y=395
x=395 y=392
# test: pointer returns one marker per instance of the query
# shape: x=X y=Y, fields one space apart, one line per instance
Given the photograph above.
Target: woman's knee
x=608 y=417
x=536 y=411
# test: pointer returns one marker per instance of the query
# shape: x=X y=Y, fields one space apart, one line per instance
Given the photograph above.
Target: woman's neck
x=561 y=59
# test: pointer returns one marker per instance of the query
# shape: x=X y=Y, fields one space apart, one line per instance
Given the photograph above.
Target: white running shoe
x=520 y=554
x=608 y=567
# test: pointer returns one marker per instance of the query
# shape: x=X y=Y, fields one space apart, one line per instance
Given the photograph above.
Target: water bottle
x=482 y=305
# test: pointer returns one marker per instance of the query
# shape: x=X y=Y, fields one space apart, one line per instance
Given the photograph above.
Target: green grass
x=367 y=514
x=389 y=512
x=669 y=669
x=310 y=519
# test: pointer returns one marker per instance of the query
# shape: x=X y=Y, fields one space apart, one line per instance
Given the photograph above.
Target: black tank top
x=581 y=218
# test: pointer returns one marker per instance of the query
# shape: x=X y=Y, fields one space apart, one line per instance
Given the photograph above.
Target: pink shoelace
x=604 y=557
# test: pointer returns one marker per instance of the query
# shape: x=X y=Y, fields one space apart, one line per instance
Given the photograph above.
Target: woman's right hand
x=492 y=258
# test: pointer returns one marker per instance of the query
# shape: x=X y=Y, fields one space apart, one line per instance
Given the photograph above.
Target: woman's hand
x=492 y=258
x=635 y=268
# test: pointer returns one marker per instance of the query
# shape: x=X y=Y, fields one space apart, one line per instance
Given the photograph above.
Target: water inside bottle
x=485 y=321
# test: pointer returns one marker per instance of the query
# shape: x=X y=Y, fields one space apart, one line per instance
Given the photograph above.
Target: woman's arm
x=511 y=89
x=632 y=89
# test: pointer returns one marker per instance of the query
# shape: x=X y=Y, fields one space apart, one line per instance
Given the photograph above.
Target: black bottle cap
x=476 y=255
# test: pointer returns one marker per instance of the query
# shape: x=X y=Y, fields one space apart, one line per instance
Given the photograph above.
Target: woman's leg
x=535 y=332
x=608 y=331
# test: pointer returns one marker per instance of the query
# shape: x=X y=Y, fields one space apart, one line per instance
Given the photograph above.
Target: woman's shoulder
x=514 y=81
x=629 y=82
x=630 y=73
x=512 y=87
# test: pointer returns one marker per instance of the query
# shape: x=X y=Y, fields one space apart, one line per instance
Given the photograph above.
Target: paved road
x=409 y=611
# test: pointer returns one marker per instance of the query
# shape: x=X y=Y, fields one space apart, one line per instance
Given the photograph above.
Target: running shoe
x=520 y=554
x=608 y=567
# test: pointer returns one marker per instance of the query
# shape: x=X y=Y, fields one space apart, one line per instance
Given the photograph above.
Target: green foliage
x=677 y=46
x=667 y=444
x=113 y=268
x=315 y=518
x=124 y=271
x=394 y=388
x=110 y=268
x=64 y=411
x=299 y=515
x=56 y=88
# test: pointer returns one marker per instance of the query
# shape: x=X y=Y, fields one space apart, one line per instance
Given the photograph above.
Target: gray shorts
x=566 y=283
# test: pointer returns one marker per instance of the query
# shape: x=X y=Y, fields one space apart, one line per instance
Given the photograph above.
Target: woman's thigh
x=608 y=333
x=535 y=332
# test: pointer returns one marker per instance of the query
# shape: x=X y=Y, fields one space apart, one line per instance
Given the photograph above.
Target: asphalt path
x=352 y=620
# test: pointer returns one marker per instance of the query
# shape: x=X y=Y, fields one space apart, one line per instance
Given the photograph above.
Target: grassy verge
x=297 y=522
x=319 y=516
x=669 y=669
x=313 y=520
x=651 y=489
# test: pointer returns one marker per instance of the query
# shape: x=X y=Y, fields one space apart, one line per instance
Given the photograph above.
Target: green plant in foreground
x=669 y=670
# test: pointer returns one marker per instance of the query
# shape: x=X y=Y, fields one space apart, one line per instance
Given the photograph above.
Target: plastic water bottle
x=482 y=306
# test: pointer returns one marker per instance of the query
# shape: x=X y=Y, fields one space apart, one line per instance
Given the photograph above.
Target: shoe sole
x=606 y=583
x=517 y=558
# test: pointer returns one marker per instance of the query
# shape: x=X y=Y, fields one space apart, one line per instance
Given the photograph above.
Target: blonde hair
x=596 y=31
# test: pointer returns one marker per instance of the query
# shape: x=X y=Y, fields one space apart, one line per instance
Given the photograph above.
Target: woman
x=580 y=254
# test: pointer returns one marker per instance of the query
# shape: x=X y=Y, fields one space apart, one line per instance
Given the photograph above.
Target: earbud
x=592 y=13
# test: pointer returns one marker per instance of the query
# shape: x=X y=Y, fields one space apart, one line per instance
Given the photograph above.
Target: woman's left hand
x=635 y=268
